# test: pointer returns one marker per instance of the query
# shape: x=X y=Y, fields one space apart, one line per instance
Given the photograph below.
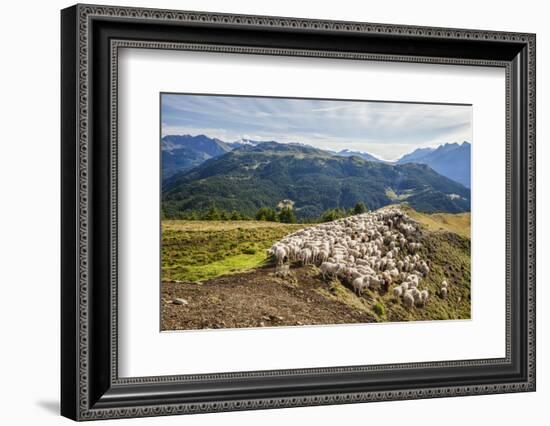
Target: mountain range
x=451 y=160
x=262 y=174
x=183 y=152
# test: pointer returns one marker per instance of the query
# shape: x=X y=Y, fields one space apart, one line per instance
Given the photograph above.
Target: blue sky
x=385 y=129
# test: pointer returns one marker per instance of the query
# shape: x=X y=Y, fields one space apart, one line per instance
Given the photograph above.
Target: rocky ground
x=256 y=299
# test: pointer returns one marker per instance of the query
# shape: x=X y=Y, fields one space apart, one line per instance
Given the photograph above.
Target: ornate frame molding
x=83 y=15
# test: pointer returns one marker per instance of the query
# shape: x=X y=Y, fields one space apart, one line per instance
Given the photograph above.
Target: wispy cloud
x=385 y=129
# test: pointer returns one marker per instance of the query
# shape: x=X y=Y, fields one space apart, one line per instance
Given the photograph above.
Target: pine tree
x=286 y=215
x=360 y=208
x=266 y=214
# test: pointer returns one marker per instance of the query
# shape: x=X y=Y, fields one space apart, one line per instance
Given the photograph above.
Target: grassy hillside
x=449 y=254
x=240 y=288
x=200 y=250
x=458 y=223
x=249 y=178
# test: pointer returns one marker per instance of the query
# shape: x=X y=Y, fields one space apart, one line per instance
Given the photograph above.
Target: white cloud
x=385 y=129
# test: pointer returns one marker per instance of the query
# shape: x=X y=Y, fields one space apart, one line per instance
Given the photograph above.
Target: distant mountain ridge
x=261 y=175
x=451 y=160
x=244 y=142
x=184 y=152
x=363 y=155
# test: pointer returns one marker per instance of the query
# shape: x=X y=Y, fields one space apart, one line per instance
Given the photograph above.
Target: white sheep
x=357 y=285
x=408 y=299
x=280 y=254
x=367 y=246
x=328 y=268
x=397 y=292
x=424 y=296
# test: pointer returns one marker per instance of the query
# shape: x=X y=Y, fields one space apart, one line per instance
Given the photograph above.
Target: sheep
x=322 y=255
x=423 y=267
x=328 y=268
x=353 y=274
x=305 y=256
x=420 y=297
x=408 y=299
x=363 y=262
x=443 y=292
x=375 y=250
x=394 y=273
x=413 y=279
x=357 y=285
x=397 y=292
x=280 y=254
x=375 y=283
x=424 y=296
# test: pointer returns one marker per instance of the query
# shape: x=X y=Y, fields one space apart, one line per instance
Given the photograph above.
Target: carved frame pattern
x=85 y=13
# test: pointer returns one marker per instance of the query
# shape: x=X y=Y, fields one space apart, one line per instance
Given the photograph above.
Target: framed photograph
x=263 y=212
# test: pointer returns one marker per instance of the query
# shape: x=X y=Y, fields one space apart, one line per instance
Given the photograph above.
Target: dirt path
x=255 y=299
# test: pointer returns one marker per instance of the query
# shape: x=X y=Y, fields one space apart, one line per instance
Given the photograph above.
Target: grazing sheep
x=322 y=256
x=397 y=292
x=408 y=299
x=375 y=283
x=376 y=250
x=305 y=256
x=328 y=268
x=424 y=296
x=366 y=281
x=280 y=255
x=357 y=285
x=363 y=262
x=394 y=273
x=443 y=292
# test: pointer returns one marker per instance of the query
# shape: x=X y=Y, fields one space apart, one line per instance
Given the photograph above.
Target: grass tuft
x=379 y=309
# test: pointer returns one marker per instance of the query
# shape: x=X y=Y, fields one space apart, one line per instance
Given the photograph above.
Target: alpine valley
x=243 y=176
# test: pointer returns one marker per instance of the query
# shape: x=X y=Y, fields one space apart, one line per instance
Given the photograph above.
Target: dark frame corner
x=90 y=37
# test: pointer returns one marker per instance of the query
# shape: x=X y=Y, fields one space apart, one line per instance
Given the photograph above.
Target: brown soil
x=255 y=299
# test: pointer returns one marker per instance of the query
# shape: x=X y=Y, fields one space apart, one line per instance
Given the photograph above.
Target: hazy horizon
x=305 y=144
x=387 y=130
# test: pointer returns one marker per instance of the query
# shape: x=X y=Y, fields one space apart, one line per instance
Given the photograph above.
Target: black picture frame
x=90 y=386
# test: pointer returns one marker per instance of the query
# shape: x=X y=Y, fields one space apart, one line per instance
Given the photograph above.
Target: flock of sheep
x=375 y=250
